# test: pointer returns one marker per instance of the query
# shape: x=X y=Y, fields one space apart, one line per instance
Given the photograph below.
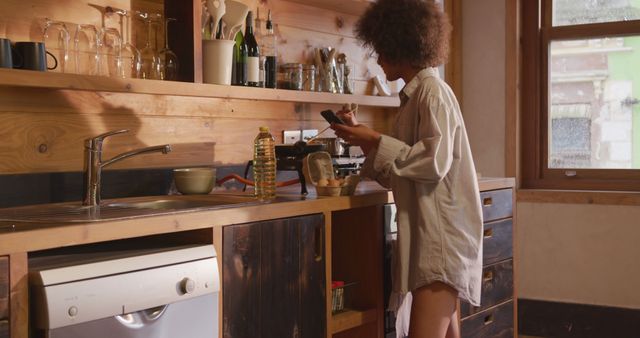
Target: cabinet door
x=496 y=322
x=273 y=279
x=497 y=242
x=4 y=329
x=312 y=277
x=497 y=287
x=4 y=297
x=241 y=281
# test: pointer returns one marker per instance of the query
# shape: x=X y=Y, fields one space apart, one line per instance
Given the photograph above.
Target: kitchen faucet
x=93 y=164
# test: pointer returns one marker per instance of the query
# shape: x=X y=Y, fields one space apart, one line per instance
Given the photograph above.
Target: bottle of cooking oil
x=264 y=165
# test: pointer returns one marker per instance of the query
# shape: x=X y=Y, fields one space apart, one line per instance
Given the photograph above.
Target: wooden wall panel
x=46 y=135
x=43 y=130
x=299 y=28
x=86 y=102
x=315 y=19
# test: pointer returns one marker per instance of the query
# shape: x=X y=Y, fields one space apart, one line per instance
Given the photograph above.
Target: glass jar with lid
x=309 y=78
x=292 y=76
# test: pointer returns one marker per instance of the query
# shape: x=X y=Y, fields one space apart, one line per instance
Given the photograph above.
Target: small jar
x=309 y=78
x=292 y=76
x=349 y=82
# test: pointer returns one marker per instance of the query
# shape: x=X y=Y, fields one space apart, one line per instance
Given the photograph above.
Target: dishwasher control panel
x=102 y=291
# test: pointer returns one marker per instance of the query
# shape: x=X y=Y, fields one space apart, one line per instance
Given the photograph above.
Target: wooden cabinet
x=274 y=279
x=356 y=243
x=495 y=317
x=4 y=297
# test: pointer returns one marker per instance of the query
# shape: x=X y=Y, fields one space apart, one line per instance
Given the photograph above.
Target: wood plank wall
x=42 y=130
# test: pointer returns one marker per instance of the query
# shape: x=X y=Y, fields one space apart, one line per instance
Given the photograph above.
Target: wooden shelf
x=354 y=7
x=35 y=79
x=351 y=318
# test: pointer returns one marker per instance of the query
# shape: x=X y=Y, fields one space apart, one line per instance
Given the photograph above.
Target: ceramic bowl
x=194 y=180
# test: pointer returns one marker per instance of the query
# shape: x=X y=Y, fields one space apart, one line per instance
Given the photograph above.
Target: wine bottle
x=253 y=54
x=240 y=61
x=268 y=44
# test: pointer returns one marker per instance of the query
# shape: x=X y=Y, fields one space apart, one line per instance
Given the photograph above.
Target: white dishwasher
x=150 y=293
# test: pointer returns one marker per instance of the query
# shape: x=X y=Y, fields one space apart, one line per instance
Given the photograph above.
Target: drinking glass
x=110 y=52
x=150 y=61
x=56 y=39
x=129 y=54
x=168 y=59
x=86 y=49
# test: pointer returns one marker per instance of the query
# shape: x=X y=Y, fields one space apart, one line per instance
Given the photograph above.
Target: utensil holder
x=217 y=58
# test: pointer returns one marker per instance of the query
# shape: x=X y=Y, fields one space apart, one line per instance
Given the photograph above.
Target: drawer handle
x=487 y=201
x=487 y=276
x=488 y=319
x=488 y=233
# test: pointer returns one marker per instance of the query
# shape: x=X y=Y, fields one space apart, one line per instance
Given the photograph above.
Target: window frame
x=537 y=35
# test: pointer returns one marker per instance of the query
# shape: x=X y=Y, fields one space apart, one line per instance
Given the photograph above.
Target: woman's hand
x=348 y=116
x=358 y=135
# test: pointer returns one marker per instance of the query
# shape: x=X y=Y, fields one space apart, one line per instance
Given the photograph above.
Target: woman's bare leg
x=432 y=309
x=454 y=328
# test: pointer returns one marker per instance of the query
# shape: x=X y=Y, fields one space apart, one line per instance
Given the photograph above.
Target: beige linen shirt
x=427 y=163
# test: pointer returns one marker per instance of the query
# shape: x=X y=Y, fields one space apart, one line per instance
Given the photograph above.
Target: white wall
x=483 y=83
x=586 y=254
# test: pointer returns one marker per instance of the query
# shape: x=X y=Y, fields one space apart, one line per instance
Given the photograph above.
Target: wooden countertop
x=27 y=237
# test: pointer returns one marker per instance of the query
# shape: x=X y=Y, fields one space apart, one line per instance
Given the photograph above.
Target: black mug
x=34 y=56
x=8 y=59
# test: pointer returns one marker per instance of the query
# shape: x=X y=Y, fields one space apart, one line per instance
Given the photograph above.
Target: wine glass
x=168 y=59
x=149 y=59
x=56 y=38
x=129 y=55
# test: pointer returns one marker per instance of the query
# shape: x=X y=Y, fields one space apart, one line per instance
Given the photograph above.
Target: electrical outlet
x=291 y=136
x=309 y=133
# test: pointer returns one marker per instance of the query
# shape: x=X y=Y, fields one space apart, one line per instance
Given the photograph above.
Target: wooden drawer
x=496 y=204
x=4 y=329
x=4 y=287
x=497 y=287
x=497 y=244
x=496 y=322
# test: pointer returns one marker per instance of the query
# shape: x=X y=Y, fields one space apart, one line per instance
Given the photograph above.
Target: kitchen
x=562 y=236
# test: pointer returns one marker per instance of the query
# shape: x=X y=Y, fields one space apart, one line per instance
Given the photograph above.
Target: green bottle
x=239 y=70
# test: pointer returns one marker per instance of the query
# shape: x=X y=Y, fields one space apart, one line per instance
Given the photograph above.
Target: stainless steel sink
x=208 y=201
x=120 y=208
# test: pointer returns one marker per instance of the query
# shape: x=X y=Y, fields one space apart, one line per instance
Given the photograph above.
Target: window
x=581 y=94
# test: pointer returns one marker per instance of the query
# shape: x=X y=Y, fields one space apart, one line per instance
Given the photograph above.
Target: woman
x=427 y=163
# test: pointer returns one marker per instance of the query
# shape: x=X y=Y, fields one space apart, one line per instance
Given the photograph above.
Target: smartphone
x=331 y=117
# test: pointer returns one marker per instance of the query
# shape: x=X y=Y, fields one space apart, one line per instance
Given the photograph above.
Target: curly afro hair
x=415 y=32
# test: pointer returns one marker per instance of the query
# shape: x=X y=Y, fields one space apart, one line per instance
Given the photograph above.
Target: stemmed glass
x=168 y=59
x=150 y=61
x=129 y=55
x=56 y=38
